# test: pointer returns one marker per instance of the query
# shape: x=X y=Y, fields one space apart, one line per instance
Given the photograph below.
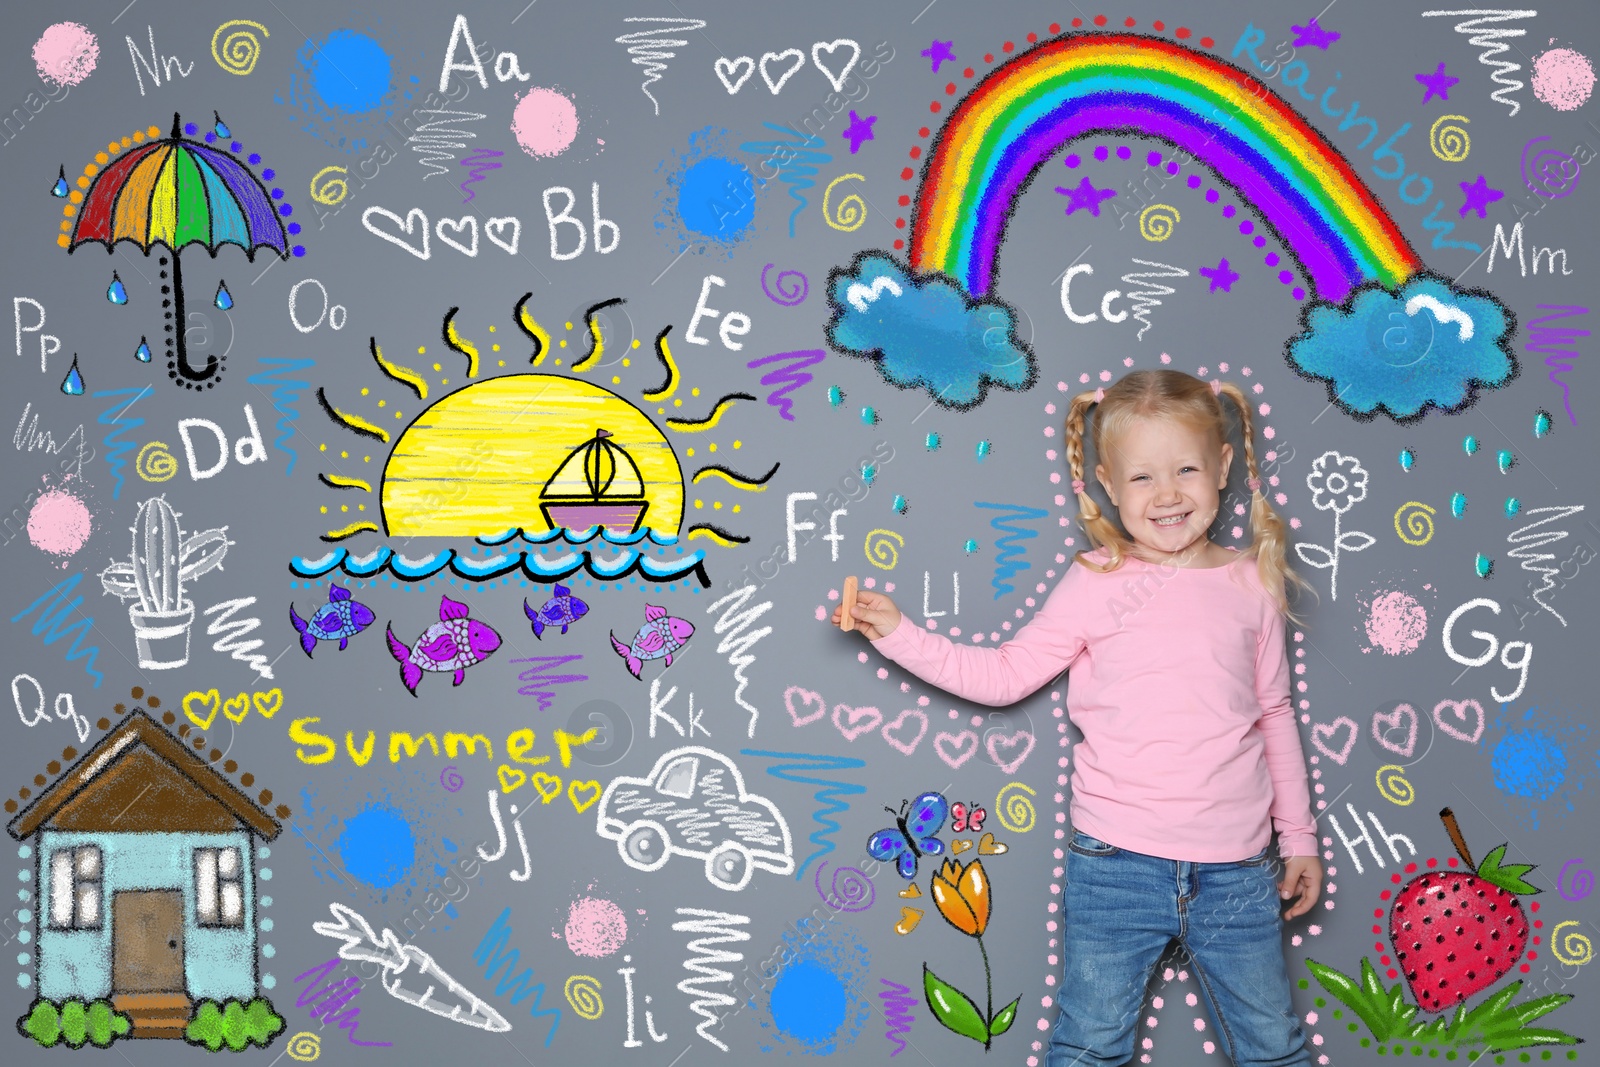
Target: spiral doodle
x=788 y=297
x=852 y=211
x=1418 y=528
x=1574 y=949
x=240 y=49
x=304 y=1046
x=1550 y=173
x=1157 y=222
x=883 y=548
x=1580 y=885
x=583 y=993
x=1450 y=143
x=1393 y=786
x=852 y=892
x=155 y=462
x=451 y=779
x=1014 y=810
x=331 y=191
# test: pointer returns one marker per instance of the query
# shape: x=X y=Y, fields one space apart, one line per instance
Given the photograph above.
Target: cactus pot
x=162 y=637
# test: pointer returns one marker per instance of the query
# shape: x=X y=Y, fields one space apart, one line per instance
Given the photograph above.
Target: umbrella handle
x=185 y=370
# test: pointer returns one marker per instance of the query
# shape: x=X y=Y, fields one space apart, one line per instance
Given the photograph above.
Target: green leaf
x=1369 y=1000
x=1003 y=1018
x=953 y=1008
x=1530 y=1010
x=1507 y=876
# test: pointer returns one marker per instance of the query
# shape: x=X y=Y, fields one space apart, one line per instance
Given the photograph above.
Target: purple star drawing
x=860 y=129
x=1479 y=197
x=1222 y=276
x=1438 y=84
x=1085 y=196
x=939 y=51
x=1312 y=35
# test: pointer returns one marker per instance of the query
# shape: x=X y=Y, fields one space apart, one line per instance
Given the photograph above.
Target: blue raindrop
x=115 y=291
x=869 y=473
x=1513 y=505
x=1506 y=460
x=835 y=395
x=1541 y=421
x=971 y=546
x=1484 y=566
x=932 y=442
x=869 y=415
x=983 y=449
x=224 y=298
x=1407 y=458
x=60 y=187
x=72 y=384
x=142 y=353
x=222 y=127
x=899 y=504
x=1458 y=504
x=1469 y=445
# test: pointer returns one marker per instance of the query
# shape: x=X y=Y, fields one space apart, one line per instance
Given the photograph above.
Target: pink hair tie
x=1216 y=386
x=1077 y=485
x=1254 y=484
x=1099 y=395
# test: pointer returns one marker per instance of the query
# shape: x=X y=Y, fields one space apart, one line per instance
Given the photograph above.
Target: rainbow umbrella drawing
x=174 y=191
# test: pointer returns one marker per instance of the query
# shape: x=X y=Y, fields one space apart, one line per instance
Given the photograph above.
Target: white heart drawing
x=807 y=698
x=725 y=66
x=997 y=741
x=1459 y=709
x=1392 y=720
x=961 y=746
x=408 y=225
x=799 y=61
x=466 y=222
x=860 y=720
x=492 y=228
x=1327 y=729
x=843 y=42
x=905 y=748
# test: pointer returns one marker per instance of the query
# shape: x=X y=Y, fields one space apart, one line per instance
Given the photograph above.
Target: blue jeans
x=1122 y=909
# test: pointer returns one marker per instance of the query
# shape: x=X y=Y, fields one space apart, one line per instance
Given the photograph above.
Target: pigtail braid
x=1268 y=538
x=1101 y=531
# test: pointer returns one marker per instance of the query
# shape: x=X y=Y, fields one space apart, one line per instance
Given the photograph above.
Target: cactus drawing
x=161 y=562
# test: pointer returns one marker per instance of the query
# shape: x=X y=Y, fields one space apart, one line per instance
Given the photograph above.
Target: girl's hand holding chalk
x=872 y=613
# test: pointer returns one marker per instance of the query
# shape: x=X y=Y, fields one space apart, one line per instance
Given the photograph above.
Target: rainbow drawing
x=1075 y=86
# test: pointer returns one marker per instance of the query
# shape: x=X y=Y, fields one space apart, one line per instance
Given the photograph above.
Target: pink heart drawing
x=861 y=720
x=960 y=747
x=996 y=742
x=1384 y=722
x=1327 y=729
x=1458 y=709
x=807 y=698
x=905 y=748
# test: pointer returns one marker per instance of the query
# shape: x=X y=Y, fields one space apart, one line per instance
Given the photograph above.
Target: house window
x=75 y=888
x=218 y=887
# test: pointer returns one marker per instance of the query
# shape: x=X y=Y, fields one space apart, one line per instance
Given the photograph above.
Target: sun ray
x=403 y=375
x=664 y=354
x=349 y=531
x=535 y=332
x=339 y=481
x=457 y=343
x=598 y=342
x=734 y=478
x=351 y=422
x=711 y=420
x=716 y=534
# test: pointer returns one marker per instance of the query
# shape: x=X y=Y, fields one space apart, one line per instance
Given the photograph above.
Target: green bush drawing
x=74 y=1022
x=233 y=1024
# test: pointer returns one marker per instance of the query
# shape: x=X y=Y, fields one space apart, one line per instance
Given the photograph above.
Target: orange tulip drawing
x=961 y=893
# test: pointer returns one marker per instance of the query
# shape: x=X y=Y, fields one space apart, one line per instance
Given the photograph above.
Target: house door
x=147 y=941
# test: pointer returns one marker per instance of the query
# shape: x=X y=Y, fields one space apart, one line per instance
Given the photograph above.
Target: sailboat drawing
x=597 y=485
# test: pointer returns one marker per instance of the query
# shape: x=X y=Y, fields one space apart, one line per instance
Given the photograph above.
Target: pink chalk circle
x=1396 y=623
x=595 y=927
x=67 y=52
x=545 y=123
x=59 y=523
x=1562 y=78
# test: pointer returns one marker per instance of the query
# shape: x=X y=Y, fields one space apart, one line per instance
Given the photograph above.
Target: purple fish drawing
x=662 y=635
x=452 y=644
x=561 y=610
x=340 y=619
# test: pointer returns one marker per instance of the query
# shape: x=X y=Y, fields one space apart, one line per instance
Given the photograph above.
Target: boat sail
x=598 y=484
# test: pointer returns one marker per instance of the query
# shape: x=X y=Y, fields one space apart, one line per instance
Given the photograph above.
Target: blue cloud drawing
x=925 y=333
x=1429 y=344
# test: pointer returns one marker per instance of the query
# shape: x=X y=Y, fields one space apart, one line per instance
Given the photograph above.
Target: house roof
x=141 y=751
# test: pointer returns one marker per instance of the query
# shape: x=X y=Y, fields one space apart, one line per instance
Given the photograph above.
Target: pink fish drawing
x=661 y=636
x=454 y=643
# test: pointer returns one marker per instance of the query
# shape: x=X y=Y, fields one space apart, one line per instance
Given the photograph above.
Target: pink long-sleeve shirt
x=1180 y=685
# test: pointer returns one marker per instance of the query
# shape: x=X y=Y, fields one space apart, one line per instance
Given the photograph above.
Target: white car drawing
x=694 y=803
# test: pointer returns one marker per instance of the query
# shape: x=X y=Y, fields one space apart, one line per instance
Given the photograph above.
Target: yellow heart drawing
x=507 y=784
x=958 y=846
x=909 y=918
x=591 y=791
x=911 y=891
x=269 y=702
x=241 y=702
x=988 y=846
x=548 y=785
x=210 y=700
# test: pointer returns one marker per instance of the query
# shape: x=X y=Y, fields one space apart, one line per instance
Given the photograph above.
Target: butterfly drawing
x=966 y=819
x=911 y=837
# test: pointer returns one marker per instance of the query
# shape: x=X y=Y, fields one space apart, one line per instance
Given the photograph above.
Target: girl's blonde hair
x=1172 y=394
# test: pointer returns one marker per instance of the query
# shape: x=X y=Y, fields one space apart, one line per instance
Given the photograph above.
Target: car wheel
x=729 y=867
x=644 y=847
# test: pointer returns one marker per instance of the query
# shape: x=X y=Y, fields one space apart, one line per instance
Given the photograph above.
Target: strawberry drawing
x=1456 y=933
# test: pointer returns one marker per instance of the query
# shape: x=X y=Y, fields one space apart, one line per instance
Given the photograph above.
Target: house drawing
x=144 y=878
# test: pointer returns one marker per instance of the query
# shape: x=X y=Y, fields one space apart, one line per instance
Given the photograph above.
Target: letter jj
x=248 y=449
